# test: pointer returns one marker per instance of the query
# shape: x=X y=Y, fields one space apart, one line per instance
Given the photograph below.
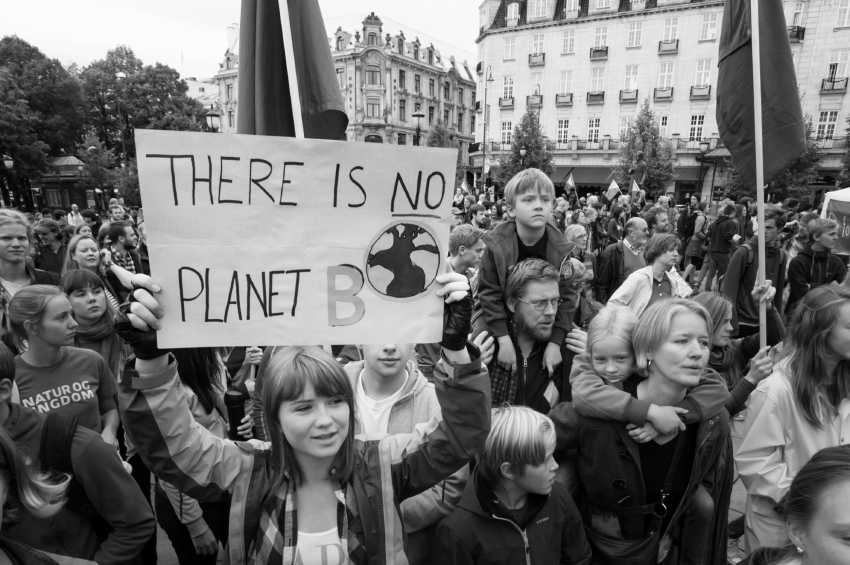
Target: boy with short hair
x=530 y=196
x=512 y=510
x=815 y=265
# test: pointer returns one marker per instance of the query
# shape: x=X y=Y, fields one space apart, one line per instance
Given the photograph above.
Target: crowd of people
x=578 y=409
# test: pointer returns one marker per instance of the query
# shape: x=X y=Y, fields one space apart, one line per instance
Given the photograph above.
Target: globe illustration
x=402 y=261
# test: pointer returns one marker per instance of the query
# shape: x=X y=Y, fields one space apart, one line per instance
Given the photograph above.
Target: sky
x=191 y=35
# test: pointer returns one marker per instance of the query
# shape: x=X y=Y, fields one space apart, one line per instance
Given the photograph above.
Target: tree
x=99 y=169
x=527 y=135
x=53 y=94
x=844 y=176
x=792 y=181
x=439 y=136
x=644 y=137
x=126 y=180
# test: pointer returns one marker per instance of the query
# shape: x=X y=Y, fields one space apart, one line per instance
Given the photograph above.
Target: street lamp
x=8 y=161
x=704 y=146
x=522 y=153
x=485 y=169
x=418 y=115
x=120 y=75
x=213 y=119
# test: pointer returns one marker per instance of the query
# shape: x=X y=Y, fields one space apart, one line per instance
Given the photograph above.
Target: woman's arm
x=109 y=427
x=760 y=458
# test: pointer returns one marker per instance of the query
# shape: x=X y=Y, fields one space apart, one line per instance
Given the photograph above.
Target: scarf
x=102 y=333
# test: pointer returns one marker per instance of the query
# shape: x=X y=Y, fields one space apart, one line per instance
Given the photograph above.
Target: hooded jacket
x=416 y=405
x=386 y=472
x=811 y=269
x=740 y=279
x=636 y=290
x=98 y=468
x=481 y=530
x=720 y=235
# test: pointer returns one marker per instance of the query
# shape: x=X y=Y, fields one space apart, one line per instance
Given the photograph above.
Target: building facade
x=227 y=79
x=586 y=66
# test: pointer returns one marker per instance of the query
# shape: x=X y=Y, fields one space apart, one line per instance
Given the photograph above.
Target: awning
x=717 y=154
x=584 y=175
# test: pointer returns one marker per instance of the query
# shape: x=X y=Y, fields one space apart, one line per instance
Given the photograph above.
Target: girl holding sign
x=316 y=490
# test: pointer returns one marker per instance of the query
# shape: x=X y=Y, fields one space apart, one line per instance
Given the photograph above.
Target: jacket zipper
x=524 y=537
x=523 y=400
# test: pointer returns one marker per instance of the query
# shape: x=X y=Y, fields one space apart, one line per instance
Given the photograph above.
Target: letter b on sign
x=346 y=295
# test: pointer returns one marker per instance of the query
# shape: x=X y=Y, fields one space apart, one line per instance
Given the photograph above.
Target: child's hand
x=486 y=344
x=643 y=434
x=666 y=419
x=761 y=366
x=507 y=354
x=552 y=357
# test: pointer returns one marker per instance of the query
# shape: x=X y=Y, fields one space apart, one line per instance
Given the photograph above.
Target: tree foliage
x=528 y=135
x=793 y=181
x=644 y=136
x=439 y=136
x=844 y=176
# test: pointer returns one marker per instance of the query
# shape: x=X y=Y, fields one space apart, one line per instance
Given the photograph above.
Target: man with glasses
x=533 y=297
x=621 y=259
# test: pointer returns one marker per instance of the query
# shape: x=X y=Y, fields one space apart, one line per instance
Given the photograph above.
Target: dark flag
x=784 y=131
x=265 y=105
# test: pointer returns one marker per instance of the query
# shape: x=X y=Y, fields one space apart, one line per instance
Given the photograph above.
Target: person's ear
x=5 y=390
x=29 y=327
x=507 y=471
x=461 y=250
x=798 y=535
x=512 y=305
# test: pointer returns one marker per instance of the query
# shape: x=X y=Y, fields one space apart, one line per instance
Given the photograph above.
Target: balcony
x=564 y=99
x=833 y=85
x=632 y=5
x=663 y=94
x=512 y=22
x=594 y=98
x=839 y=143
x=598 y=53
x=536 y=60
x=506 y=102
x=796 y=34
x=478 y=68
x=701 y=92
x=534 y=101
x=628 y=96
x=670 y=47
x=605 y=144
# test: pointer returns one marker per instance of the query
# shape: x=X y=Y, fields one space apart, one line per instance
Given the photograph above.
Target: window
x=510 y=48
x=373 y=75
x=229 y=63
x=340 y=77
x=472 y=124
x=536 y=83
x=671 y=29
x=460 y=96
x=513 y=11
x=843 y=14
x=373 y=108
x=430 y=57
x=340 y=43
x=625 y=126
x=541 y=7
x=508 y=90
x=569 y=42
x=446 y=118
x=431 y=87
x=665 y=76
x=372 y=39
x=402 y=139
x=566 y=82
x=402 y=110
x=563 y=131
x=631 y=78
x=430 y=115
x=838 y=63
x=662 y=126
x=401 y=49
x=597 y=77
x=571 y=6
x=703 y=77
x=603 y=4
x=601 y=37
x=537 y=44
x=460 y=122
x=402 y=79
x=796 y=18
x=593 y=129
x=826 y=124
x=229 y=89
x=202 y=89
x=634 y=34
x=447 y=92
x=417 y=84
x=482 y=18
x=54 y=197
x=416 y=52
x=696 y=127
x=231 y=118
x=506 y=132
x=709 y=27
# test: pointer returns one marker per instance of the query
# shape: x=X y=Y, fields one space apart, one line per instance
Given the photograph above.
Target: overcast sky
x=191 y=35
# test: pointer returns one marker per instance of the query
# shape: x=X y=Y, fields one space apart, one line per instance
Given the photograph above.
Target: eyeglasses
x=540 y=305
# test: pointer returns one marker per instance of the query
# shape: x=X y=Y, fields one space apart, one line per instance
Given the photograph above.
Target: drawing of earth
x=403 y=261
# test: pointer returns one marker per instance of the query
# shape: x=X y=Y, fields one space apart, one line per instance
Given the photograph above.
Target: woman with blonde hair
x=85 y=253
x=798 y=410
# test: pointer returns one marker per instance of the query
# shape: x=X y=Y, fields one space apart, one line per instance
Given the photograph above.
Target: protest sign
x=283 y=241
x=836 y=207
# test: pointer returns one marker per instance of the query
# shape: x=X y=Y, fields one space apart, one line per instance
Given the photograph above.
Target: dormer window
x=430 y=57
x=416 y=52
x=228 y=63
x=372 y=39
x=340 y=43
x=513 y=11
x=401 y=46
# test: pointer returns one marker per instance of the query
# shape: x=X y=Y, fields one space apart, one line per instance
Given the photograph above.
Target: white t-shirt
x=11 y=287
x=375 y=414
x=321 y=548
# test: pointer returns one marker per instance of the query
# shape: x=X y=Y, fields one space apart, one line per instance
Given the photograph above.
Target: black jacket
x=720 y=235
x=811 y=269
x=482 y=531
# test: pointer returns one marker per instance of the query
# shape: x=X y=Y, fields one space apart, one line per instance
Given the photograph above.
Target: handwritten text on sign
x=278 y=241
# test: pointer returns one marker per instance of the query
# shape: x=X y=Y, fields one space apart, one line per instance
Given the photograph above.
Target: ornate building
x=228 y=81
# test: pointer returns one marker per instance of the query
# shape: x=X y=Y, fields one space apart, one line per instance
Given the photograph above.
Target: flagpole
x=292 y=74
x=757 y=115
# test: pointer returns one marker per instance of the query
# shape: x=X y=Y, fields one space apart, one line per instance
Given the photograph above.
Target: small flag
x=571 y=185
x=613 y=190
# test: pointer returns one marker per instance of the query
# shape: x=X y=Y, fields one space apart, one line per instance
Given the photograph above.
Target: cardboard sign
x=280 y=241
